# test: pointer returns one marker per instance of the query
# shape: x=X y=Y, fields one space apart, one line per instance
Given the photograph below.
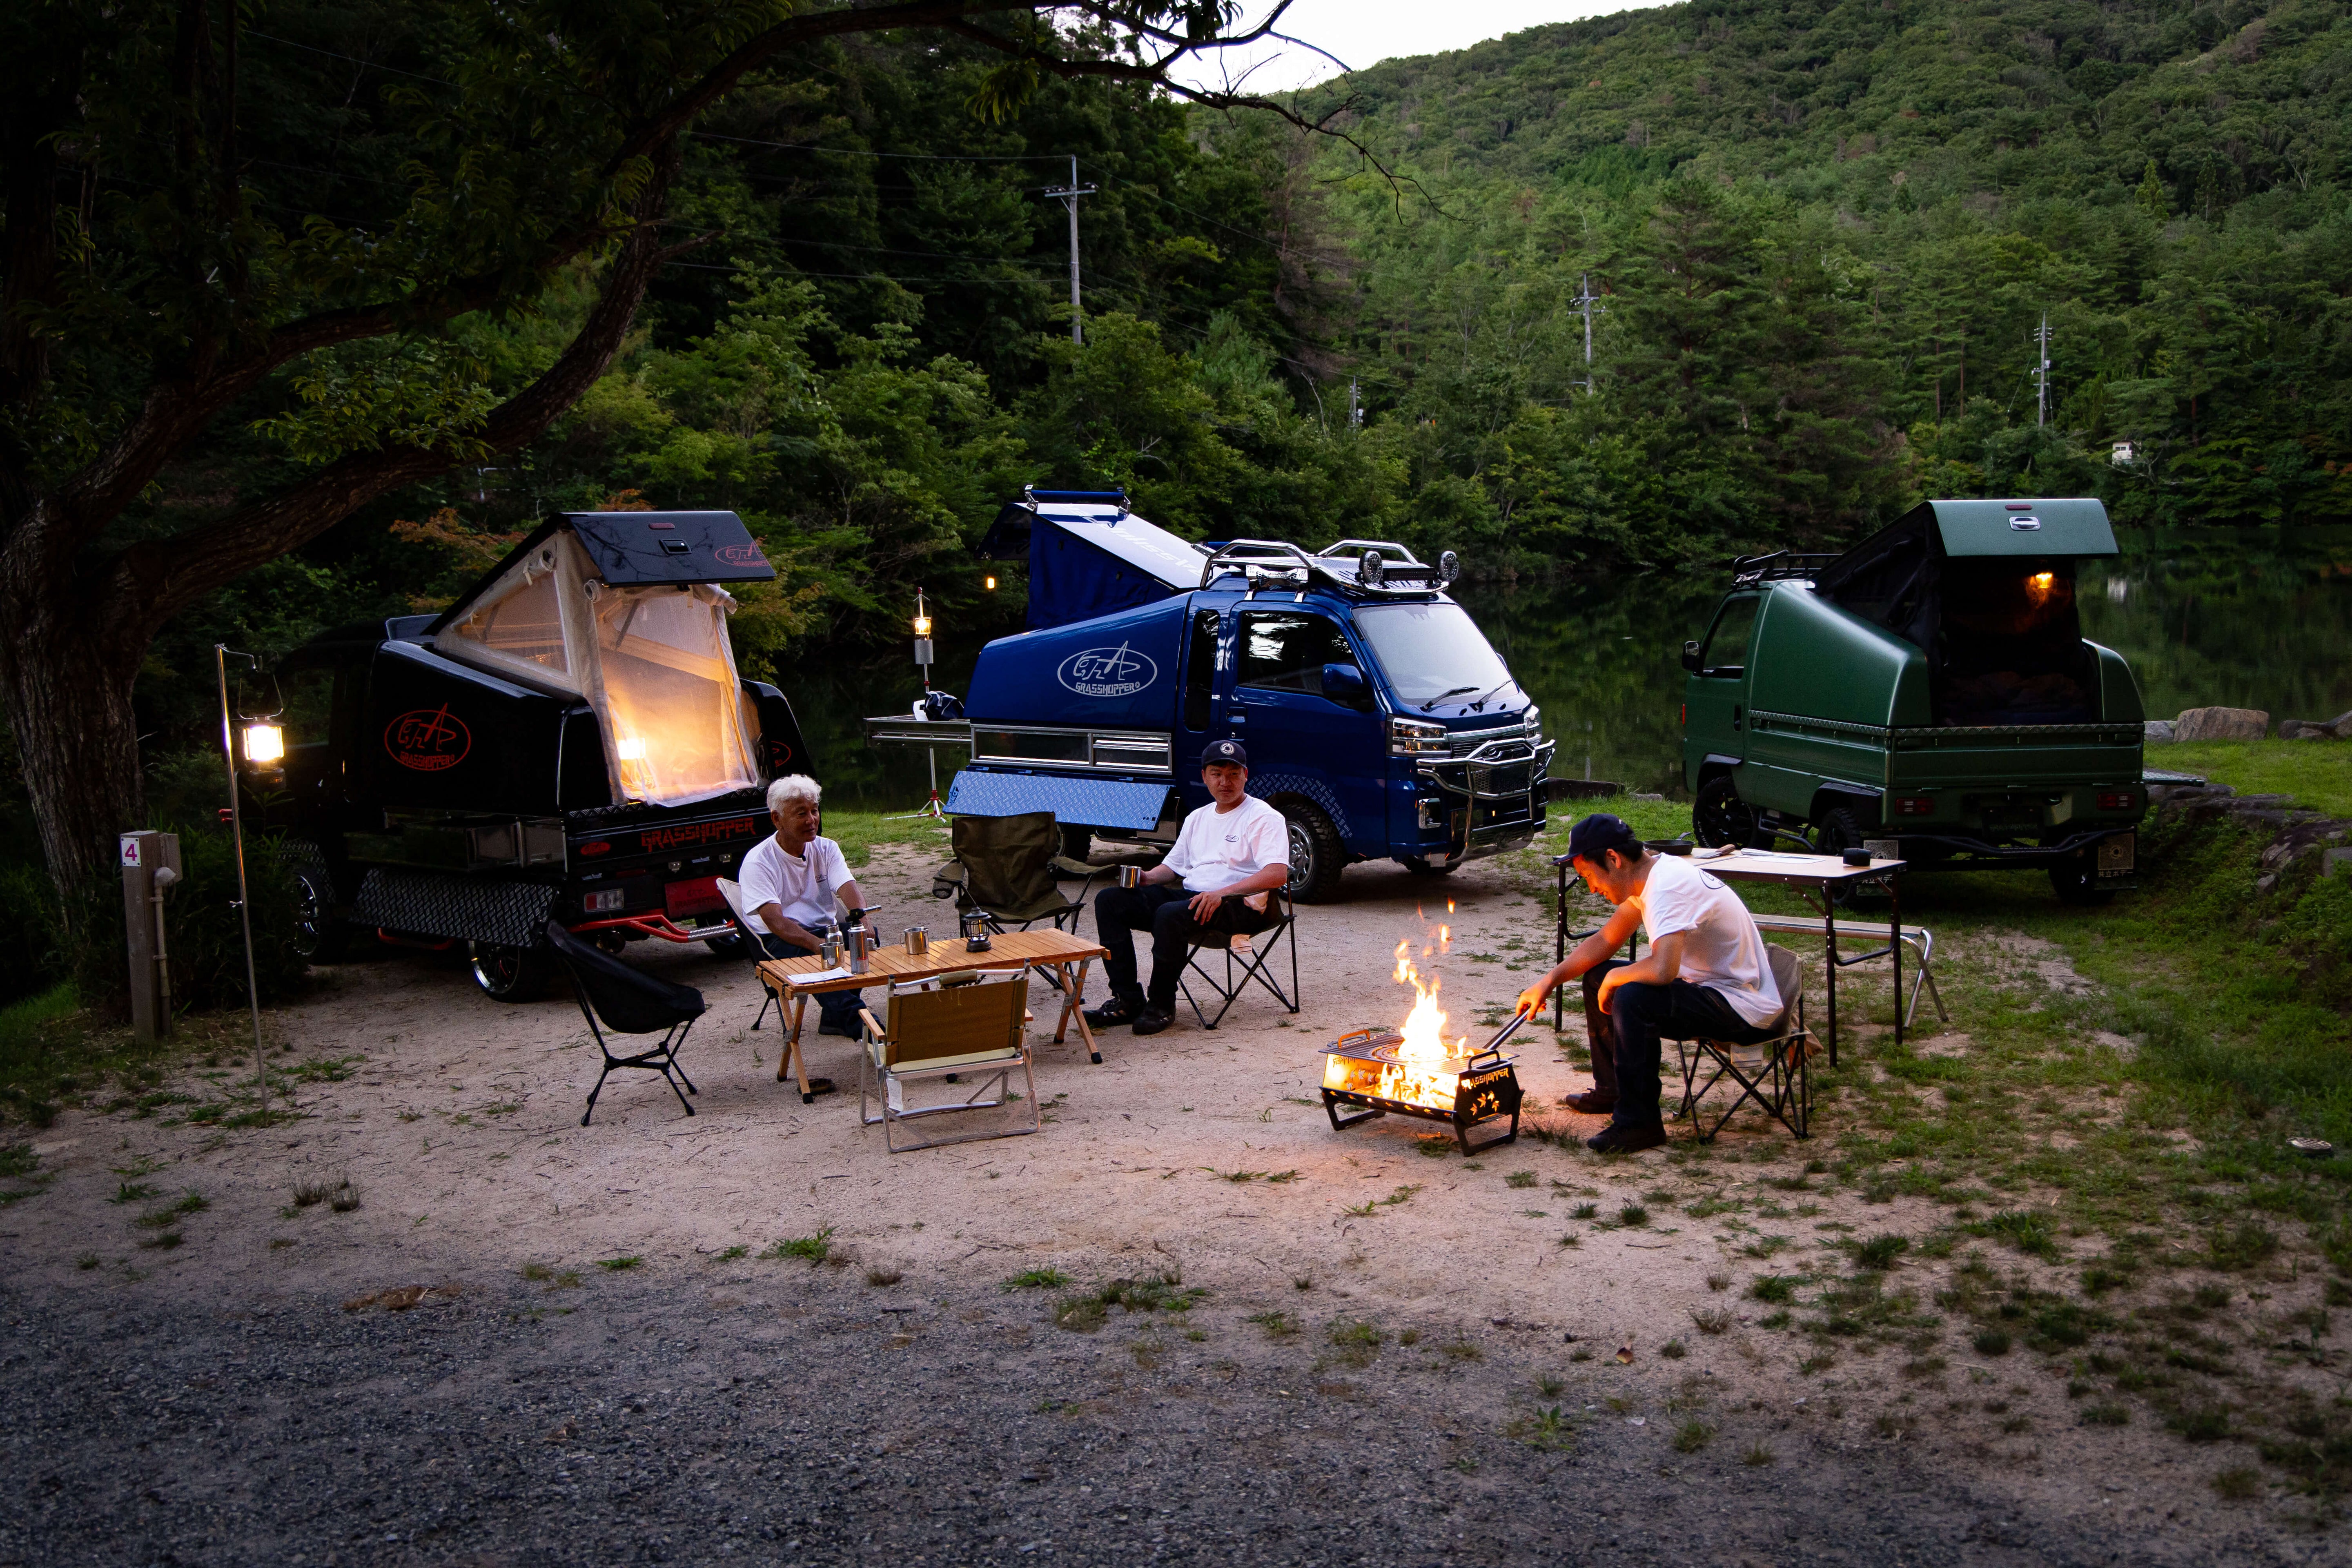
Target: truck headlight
x=1413 y=738
x=1534 y=718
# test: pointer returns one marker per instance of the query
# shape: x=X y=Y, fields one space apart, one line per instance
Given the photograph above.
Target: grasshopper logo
x=1108 y=672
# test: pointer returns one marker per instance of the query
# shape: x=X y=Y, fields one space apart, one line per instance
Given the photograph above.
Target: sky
x=1362 y=33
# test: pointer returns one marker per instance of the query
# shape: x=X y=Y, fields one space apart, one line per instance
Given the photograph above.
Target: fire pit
x=1416 y=1073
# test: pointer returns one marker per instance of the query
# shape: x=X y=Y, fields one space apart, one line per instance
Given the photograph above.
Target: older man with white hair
x=789 y=880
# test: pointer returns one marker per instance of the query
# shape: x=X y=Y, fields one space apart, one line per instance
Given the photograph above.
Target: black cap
x=1600 y=832
x=1228 y=753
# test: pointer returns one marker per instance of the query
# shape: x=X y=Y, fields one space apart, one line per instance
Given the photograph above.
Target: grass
x=1278 y=1326
x=1163 y=1292
x=1692 y=1435
x=1036 y=1280
x=1546 y=1428
x=813 y=1248
x=620 y=1265
x=860 y=833
x=2314 y=771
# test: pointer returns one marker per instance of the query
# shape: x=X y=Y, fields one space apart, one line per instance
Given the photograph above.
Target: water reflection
x=2239 y=617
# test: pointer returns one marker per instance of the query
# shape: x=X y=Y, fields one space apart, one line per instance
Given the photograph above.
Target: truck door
x=1300 y=741
x=1716 y=695
x=1205 y=706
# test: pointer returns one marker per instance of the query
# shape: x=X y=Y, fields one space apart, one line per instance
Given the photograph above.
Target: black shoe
x=1153 y=1020
x=848 y=1031
x=1112 y=1014
x=1613 y=1139
x=1588 y=1103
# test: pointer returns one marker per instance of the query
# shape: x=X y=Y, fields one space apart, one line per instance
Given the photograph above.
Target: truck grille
x=1516 y=744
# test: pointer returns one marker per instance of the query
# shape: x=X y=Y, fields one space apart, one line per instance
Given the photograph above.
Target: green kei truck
x=1928 y=694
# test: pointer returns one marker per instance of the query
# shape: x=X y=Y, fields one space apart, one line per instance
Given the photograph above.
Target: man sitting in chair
x=1706 y=976
x=1228 y=857
x=789 y=880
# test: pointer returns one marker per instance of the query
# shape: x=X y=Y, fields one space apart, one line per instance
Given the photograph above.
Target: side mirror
x=1344 y=683
x=1690 y=657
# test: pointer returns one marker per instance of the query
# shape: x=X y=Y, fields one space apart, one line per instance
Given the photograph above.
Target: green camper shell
x=1929 y=693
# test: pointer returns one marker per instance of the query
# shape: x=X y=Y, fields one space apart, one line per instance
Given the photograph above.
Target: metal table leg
x=1895 y=945
x=1829 y=925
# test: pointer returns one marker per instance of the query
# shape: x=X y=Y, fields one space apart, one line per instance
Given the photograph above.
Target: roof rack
x=1778 y=566
x=1277 y=564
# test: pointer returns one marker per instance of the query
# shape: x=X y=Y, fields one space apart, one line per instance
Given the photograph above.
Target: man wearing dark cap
x=1228 y=857
x=1706 y=976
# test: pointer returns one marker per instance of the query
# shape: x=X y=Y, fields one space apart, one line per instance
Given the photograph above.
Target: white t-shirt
x=802 y=883
x=1722 y=949
x=1215 y=849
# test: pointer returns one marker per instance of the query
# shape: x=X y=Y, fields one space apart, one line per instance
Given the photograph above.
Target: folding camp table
x=1064 y=955
x=1819 y=879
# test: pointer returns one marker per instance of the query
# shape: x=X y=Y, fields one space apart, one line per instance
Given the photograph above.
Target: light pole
x=923 y=626
x=265 y=745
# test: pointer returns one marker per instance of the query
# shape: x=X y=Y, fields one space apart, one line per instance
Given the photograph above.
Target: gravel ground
x=782 y=1412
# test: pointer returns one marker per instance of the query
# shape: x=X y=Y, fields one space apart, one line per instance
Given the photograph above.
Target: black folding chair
x=630 y=1002
x=1260 y=946
x=1774 y=1073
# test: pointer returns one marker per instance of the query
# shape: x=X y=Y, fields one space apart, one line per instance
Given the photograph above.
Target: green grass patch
x=813 y=1249
x=860 y=833
x=2314 y=772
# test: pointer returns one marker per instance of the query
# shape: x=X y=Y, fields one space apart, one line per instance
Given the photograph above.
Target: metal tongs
x=1494 y=1046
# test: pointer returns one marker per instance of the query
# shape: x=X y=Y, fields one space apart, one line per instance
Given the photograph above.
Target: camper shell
x=1928 y=692
x=569 y=739
x=1376 y=716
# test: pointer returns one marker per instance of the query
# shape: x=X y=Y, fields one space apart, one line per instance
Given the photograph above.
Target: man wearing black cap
x=1228 y=857
x=1706 y=976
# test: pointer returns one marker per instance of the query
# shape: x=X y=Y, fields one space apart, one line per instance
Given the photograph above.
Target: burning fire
x=1419 y=1073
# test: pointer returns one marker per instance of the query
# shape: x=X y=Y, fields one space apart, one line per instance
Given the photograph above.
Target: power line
x=863 y=152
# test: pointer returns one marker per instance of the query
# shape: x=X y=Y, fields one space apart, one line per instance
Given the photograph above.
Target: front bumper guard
x=1496 y=796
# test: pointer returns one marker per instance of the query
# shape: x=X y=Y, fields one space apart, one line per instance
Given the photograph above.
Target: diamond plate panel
x=1094 y=803
x=511 y=914
x=1265 y=786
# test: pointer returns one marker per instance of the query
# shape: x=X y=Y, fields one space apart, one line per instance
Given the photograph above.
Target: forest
x=1810 y=247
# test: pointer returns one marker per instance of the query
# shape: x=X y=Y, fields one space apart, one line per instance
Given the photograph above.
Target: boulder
x=2159 y=732
x=2336 y=728
x=2220 y=724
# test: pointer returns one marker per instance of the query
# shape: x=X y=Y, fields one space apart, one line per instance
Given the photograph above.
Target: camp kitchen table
x=1819 y=879
x=1066 y=955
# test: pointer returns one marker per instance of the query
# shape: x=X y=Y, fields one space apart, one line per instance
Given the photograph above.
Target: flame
x=1419 y=1075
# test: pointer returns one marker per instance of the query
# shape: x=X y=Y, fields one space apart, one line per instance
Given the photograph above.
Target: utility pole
x=2041 y=372
x=1355 y=409
x=1069 y=198
x=1588 y=303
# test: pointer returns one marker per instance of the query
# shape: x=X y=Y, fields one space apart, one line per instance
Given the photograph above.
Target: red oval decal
x=598 y=848
x=429 y=740
x=739 y=555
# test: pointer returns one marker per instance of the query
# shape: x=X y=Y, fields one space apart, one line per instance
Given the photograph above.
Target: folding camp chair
x=967 y=1021
x=752 y=946
x=1257 y=950
x=1005 y=867
x=1772 y=1072
x=629 y=1002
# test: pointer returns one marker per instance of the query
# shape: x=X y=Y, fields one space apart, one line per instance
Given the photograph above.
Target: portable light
x=989 y=583
x=922 y=621
x=632 y=748
x=265 y=743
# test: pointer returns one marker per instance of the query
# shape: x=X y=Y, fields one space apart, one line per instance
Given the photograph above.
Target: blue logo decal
x=1108 y=672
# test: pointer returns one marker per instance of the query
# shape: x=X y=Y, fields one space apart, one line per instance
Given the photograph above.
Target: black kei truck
x=567 y=740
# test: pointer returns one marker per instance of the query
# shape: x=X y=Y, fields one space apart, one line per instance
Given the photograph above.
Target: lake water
x=2238 y=618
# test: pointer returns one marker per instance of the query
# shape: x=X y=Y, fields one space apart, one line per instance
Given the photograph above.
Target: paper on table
x=811 y=978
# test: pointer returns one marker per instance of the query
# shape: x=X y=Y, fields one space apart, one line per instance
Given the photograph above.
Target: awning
x=1077 y=802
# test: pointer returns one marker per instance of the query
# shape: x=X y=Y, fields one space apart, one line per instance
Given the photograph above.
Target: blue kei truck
x=1378 y=717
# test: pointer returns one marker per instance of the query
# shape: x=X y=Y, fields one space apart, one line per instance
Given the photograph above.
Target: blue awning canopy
x=1078 y=802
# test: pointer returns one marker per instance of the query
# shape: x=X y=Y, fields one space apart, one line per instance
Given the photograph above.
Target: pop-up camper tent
x=624 y=610
x=1089 y=555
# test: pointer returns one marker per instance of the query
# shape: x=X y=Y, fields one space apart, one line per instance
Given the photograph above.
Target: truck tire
x=1078 y=843
x=510 y=973
x=320 y=936
x=1316 y=855
x=1836 y=831
x=726 y=947
x=1720 y=819
x=2075 y=880
x=1421 y=868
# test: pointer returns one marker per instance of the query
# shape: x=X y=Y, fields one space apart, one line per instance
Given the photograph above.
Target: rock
x=2336 y=728
x=2159 y=732
x=2220 y=724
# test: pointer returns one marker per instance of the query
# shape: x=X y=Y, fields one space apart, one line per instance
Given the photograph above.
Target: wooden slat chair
x=974 y=1021
x=1257 y=950
x=1773 y=1072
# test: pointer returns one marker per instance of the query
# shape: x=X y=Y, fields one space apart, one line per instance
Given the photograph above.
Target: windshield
x=1430 y=651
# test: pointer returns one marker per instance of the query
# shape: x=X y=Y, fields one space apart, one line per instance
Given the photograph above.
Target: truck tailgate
x=2021 y=755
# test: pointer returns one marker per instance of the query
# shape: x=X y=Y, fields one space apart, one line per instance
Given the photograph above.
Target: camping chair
x=969 y=1020
x=750 y=935
x=1918 y=939
x=1005 y=867
x=630 y=1002
x=1772 y=1072
x=1256 y=952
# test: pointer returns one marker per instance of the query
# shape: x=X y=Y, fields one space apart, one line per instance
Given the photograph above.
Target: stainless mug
x=919 y=941
x=860 y=940
x=1130 y=876
x=828 y=949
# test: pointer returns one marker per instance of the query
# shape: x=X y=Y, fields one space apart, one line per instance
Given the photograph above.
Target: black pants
x=1164 y=909
x=838 y=1008
x=1625 y=1039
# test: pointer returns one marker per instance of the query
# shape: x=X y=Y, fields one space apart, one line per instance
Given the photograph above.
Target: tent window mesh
x=526 y=623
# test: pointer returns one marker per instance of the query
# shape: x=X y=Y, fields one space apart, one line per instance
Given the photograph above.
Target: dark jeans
x=1163 y=908
x=1625 y=1039
x=838 y=1008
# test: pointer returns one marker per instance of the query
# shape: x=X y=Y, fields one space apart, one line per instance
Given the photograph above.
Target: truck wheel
x=1720 y=819
x=510 y=973
x=1421 y=868
x=726 y=947
x=1316 y=854
x=320 y=935
x=2076 y=881
x=1837 y=831
x=1078 y=843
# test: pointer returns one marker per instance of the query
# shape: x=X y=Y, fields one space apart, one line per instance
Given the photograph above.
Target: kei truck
x=1377 y=717
x=567 y=740
x=1928 y=694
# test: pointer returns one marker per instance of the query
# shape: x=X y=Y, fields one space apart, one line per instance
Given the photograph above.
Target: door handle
x=1738 y=713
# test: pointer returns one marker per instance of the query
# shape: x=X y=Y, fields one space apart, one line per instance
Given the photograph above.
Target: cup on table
x=919 y=941
x=1130 y=876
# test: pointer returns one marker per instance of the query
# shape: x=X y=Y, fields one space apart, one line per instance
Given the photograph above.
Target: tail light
x=1685 y=718
x=1915 y=805
x=601 y=902
x=2119 y=800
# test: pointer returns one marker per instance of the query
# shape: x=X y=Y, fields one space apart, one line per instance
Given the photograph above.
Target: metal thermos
x=1130 y=876
x=861 y=940
x=919 y=941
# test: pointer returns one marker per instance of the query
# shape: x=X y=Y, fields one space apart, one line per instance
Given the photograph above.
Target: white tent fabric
x=654 y=663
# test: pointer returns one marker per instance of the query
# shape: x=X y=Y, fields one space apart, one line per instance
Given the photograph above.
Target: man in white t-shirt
x=1229 y=855
x=1707 y=975
x=789 y=880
